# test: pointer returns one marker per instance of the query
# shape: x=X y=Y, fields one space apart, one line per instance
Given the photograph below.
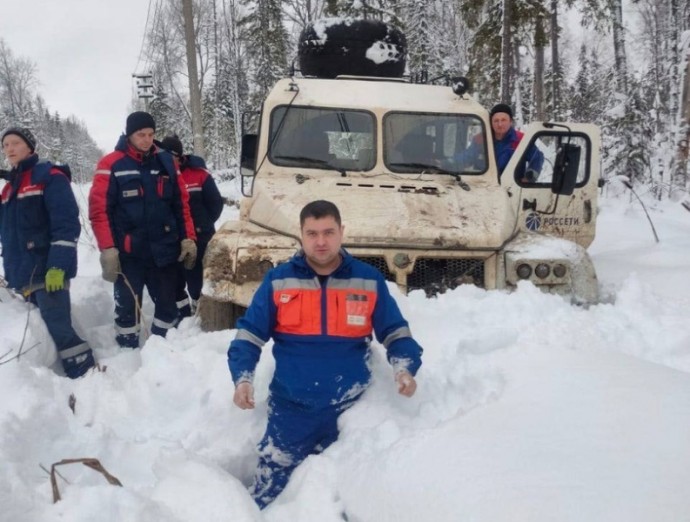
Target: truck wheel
x=218 y=315
x=332 y=46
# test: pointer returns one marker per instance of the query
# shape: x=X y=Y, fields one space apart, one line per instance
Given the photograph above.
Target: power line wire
x=143 y=38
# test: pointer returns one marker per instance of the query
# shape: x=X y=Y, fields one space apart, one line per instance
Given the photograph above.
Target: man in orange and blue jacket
x=320 y=308
x=139 y=212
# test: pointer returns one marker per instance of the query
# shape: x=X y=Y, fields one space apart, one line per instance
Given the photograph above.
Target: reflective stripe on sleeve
x=401 y=332
x=245 y=335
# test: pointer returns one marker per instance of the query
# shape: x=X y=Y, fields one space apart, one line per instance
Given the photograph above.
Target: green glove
x=55 y=280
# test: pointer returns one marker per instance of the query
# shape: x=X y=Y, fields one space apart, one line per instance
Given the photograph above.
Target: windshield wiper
x=436 y=169
x=304 y=159
x=313 y=162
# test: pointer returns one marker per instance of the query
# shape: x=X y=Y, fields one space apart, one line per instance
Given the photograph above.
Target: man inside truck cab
x=506 y=138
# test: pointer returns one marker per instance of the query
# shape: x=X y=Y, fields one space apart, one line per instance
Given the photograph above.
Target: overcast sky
x=85 y=52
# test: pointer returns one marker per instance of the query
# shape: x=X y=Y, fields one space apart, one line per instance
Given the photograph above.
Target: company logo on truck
x=534 y=221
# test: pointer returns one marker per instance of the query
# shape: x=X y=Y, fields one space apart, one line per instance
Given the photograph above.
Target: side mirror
x=248 y=154
x=565 y=169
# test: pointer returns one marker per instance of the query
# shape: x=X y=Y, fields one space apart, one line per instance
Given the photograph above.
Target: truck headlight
x=542 y=271
x=559 y=270
x=524 y=271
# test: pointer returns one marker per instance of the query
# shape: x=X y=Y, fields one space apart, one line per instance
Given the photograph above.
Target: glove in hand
x=55 y=280
x=187 y=253
x=110 y=264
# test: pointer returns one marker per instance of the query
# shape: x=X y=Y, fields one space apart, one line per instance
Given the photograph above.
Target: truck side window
x=549 y=145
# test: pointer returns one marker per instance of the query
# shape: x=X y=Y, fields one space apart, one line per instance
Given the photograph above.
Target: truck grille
x=435 y=276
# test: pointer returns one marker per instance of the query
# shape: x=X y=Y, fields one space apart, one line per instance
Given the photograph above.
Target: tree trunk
x=506 y=52
x=555 y=62
x=539 y=38
x=619 y=46
x=194 y=91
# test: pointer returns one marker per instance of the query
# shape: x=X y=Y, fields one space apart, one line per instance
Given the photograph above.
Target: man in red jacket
x=206 y=205
x=139 y=211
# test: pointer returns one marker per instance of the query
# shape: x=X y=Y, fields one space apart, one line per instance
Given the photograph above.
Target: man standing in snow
x=320 y=309
x=139 y=211
x=206 y=205
x=39 y=229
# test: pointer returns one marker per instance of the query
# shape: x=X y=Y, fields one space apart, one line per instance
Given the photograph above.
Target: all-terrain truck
x=393 y=156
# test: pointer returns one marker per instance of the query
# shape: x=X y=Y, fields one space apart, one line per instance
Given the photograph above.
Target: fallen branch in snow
x=16 y=356
x=88 y=462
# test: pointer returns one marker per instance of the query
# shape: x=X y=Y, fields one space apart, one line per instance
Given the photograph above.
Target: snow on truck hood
x=413 y=214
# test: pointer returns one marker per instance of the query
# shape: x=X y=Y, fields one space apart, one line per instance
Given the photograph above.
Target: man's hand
x=244 y=396
x=187 y=253
x=55 y=279
x=110 y=264
x=406 y=383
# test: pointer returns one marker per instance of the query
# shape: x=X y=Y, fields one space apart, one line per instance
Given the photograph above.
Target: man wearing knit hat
x=139 y=212
x=39 y=229
x=507 y=138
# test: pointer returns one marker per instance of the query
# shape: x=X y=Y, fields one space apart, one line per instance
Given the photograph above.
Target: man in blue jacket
x=39 y=229
x=320 y=308
x=506 y=138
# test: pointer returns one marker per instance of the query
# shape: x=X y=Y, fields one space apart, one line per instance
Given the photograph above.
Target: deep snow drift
x=527 y=409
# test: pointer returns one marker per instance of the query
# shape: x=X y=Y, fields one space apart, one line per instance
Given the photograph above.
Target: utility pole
x=144 y=88
x=194 y=91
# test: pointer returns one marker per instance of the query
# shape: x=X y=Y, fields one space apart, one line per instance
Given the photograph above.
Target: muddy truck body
x=393 y=156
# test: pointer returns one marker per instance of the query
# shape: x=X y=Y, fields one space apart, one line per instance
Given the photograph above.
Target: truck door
x=539 y=208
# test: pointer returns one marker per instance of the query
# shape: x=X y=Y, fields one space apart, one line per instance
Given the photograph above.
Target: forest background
x=624 y=66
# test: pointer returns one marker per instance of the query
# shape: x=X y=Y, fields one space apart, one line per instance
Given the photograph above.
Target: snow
x=528 y=408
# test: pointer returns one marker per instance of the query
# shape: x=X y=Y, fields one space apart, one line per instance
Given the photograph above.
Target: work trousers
x=160 y=283
x=292 y=434
x=55 y=308
x=193 y=279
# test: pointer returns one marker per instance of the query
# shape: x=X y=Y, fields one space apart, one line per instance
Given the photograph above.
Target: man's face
x=321 y=241
x=500 y=123
x=142 y=140
x=15 y=149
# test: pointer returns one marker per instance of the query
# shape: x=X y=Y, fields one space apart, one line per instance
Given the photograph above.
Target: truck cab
x=394 y=156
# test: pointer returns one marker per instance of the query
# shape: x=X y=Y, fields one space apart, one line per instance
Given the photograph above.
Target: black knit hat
x=172 y=144
x=502 y=107
x=24 y=134
x=139 y=120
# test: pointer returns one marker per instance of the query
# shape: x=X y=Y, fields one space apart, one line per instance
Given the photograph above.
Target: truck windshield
x=435 y=143
x=322 y=138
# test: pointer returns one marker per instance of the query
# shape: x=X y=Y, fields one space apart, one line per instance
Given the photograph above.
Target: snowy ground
x=528 y=409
